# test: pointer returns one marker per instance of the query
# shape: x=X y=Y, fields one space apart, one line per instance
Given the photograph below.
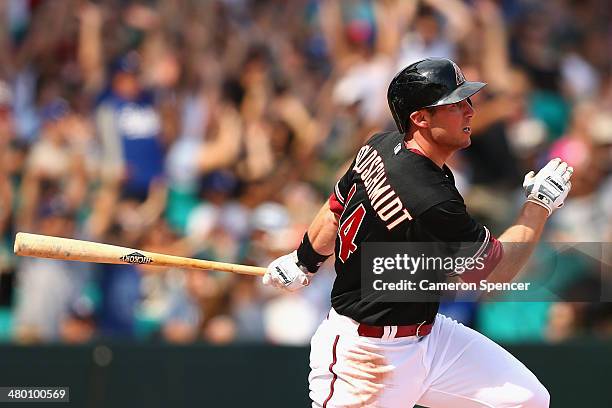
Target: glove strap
x=541 y=204
x=308 y=257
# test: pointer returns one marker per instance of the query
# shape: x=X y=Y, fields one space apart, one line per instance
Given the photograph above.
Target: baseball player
x=398 y=189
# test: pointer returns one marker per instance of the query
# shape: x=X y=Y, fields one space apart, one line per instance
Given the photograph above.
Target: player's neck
x=431 y=151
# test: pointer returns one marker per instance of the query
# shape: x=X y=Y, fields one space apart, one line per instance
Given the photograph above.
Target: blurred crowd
x=216 y=129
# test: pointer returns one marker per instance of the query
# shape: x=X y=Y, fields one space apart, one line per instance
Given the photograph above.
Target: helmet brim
x=464 y=91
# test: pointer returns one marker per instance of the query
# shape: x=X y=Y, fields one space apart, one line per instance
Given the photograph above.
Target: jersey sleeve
x=450 y=222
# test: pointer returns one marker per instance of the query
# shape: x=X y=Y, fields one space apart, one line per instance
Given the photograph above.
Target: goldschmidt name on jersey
x=383 y=198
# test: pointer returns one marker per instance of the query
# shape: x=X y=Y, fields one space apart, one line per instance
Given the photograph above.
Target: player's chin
x=464 y=139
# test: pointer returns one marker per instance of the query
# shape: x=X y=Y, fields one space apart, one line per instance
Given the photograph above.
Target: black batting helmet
x=427 y=83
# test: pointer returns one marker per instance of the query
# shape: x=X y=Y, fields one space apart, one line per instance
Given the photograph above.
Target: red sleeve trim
x=491 y=257
x=335 y=206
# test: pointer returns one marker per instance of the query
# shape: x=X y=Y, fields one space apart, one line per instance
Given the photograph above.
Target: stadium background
x=215 y=129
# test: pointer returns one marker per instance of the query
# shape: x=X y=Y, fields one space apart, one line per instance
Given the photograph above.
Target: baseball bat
x=45 y=246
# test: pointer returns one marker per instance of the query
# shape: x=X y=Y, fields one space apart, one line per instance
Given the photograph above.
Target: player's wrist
x=307 y=257
x=538 y=207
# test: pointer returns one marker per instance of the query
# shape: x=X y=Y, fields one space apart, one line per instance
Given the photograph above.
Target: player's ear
x=420 y=119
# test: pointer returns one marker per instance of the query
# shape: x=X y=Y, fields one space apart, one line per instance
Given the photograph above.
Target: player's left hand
x=285 y=273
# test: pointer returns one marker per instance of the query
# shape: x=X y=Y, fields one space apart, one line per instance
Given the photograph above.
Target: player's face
x=451 y=125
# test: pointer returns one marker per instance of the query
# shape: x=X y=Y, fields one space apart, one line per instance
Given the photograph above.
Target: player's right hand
x=550 y=186
x=284 y=273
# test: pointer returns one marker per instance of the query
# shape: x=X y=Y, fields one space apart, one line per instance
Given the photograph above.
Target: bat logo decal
x=136 y=258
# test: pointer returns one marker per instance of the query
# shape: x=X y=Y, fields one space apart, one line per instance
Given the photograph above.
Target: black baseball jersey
x=393 y=194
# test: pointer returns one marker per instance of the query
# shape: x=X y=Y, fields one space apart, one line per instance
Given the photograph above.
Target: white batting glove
x=550 y=186
x=285 y=273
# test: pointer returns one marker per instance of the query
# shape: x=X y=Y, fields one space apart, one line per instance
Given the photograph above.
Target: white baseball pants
x=453 y=367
